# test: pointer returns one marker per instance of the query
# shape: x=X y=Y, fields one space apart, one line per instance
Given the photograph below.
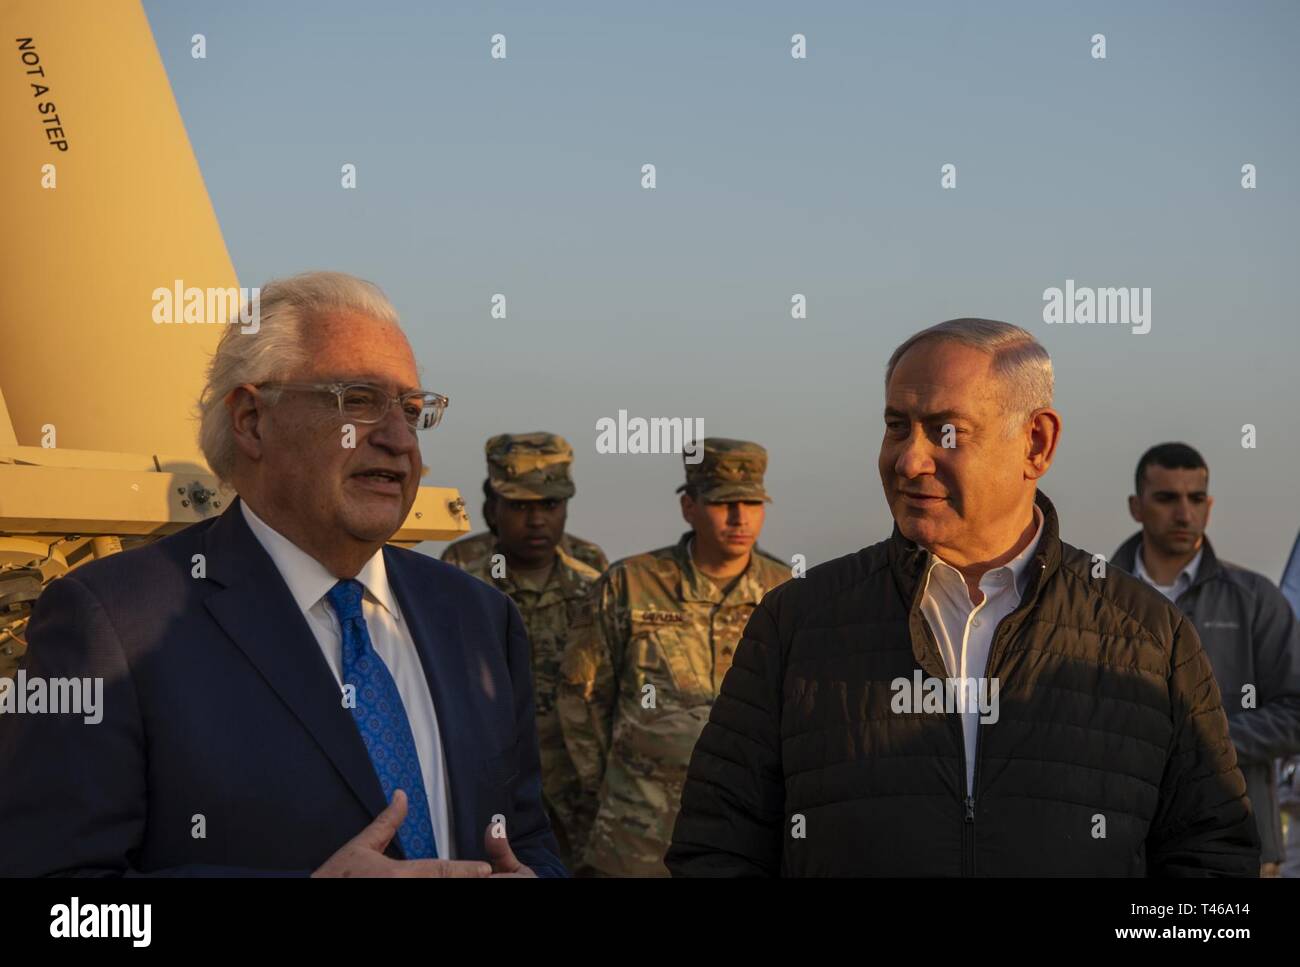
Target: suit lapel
x=437 y=636
x=257 y=611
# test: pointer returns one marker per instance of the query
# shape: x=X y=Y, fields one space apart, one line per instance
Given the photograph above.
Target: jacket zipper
x=968 y=800
x=968 y=829
x=968 y=837
x=968 y=825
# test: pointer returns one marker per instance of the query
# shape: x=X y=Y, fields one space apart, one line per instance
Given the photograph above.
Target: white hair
x=1019 y=361
x=277 y=349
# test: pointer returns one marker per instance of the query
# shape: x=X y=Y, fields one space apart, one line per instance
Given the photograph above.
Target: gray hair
x=277 y=348
x=1019 y=361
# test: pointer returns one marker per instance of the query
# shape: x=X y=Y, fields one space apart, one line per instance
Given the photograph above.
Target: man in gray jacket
x=1246 y=626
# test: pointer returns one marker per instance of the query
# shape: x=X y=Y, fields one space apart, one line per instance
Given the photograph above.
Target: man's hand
x=501 y=856
x=363 y=855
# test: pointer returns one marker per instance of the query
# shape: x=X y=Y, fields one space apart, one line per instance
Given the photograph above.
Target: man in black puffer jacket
x=848 y=738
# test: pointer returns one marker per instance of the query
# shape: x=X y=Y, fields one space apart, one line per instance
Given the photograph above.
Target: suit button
x=726 y=652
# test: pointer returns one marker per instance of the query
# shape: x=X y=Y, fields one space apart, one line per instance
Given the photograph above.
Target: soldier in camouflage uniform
x=524 y=556
x=648 y=657
x=475 y=546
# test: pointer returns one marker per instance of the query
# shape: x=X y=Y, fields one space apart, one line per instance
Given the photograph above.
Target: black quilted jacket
x=1110 y=755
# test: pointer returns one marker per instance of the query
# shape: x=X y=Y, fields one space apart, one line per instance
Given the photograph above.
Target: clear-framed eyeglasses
x=367 y=403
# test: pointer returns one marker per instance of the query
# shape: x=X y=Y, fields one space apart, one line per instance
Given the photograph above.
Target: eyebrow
x=945 y=416
x=372 y=380
x=1178 y=493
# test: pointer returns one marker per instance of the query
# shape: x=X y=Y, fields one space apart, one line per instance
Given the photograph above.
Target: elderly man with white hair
x=311 y=700
x=972 y=696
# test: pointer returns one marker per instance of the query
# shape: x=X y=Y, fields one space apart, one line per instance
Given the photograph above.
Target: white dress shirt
x=390 y=635
x=1181 y=583
x=964 y=630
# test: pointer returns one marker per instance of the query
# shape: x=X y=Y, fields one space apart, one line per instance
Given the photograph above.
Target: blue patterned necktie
x=381 y=719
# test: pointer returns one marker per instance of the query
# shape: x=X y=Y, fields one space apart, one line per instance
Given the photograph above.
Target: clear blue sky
x=778 y=176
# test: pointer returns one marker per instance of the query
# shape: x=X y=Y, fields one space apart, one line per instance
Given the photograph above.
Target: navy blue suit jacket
x=218 y=703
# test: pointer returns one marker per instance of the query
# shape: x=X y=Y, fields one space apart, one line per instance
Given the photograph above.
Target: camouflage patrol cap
x=530 y=466
x=730 y=470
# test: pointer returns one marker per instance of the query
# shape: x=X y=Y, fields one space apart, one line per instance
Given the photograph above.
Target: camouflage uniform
x=536 y=466
x=476 y=545
x=656 y=620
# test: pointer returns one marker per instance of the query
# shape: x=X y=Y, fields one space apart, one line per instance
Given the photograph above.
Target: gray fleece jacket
x=1252 y=638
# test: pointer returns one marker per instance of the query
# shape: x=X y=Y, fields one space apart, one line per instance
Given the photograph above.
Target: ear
x=1135 y=508
x=1209 y=506
x=1044 y=433
x=246 y=408
x=688 y=509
